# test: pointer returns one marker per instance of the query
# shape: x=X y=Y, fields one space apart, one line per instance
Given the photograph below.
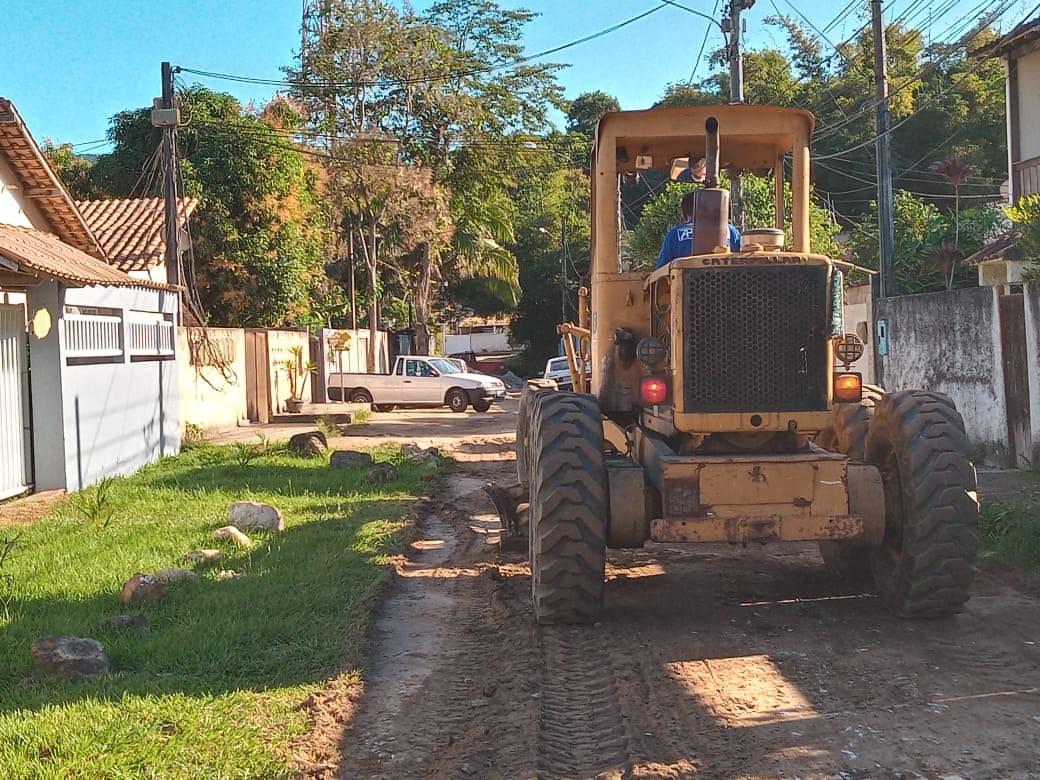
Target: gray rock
x=410 y=449
x=204 y=556
x=383 y=472
x=310 y=444
x=345 y=459
x=254 y=516
x=424 y=456
x=175 y=576
x=69 y=656
x=234 y=535
x=131 y=623
x=141 y=588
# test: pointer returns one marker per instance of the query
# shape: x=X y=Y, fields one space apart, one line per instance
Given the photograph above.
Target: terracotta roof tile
x=39 y=253
x=1003 y=247
x=131 y=229
x=39 y=183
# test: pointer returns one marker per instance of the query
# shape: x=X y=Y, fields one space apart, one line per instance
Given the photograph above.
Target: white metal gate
x=13 y=377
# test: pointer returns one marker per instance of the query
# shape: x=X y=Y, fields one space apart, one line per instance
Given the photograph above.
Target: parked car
x=558 y=369
x=485 y=365
x=418 y=380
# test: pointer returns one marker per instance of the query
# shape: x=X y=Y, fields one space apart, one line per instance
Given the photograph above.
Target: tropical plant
x=1026 y=216
x=95 y=504
x=297 y=372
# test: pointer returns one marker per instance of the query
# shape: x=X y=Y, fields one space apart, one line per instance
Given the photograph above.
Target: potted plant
x=297 y=371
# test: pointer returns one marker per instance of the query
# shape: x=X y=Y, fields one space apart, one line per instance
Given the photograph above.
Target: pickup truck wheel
x=481 y=406
x=361 y=397
x=383 y=407
x=457 y=400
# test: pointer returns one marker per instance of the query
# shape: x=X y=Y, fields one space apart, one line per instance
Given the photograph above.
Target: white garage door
x=12 y=398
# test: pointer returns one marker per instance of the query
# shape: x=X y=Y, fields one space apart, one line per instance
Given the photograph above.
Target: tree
x=427 y=87
x=260 y=236
x=73 y=170
x=586 y=110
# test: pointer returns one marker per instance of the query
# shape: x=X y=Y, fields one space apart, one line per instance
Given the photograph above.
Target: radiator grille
x=756 y=339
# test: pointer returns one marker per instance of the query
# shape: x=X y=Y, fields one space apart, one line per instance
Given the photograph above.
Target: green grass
x=214 y=690
x=1011 y=533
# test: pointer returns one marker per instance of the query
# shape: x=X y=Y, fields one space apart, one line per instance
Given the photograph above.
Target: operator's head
x=689 y=200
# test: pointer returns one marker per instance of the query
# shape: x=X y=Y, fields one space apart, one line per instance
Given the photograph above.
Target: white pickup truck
x=418 y=380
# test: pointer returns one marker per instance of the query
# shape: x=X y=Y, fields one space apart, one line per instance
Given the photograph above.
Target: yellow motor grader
x=720 y=406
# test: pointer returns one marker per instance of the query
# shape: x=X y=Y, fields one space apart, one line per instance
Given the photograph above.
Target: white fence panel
x=12 y=423
x=93 y=335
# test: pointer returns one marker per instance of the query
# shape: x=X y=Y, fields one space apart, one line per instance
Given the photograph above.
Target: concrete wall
x=476 y=342
x=950 y=342
x=1031 y=295
x=99 y=418
x=353 y=360
x=859 y=318
x=212 y=376
x=279 y=349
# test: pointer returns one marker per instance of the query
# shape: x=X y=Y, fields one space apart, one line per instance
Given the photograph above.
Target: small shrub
x=328 y=426
x=95 y=504
x=361 y=416
x=1012 y=533
x=193 y=436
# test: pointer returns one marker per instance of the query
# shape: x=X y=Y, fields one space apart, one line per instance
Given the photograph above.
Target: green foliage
x=920 y=232
x=260 y=231
x=73 y=170
x=1011 y=533
x=218 y=686
x=95 y=504
x=1026 y=216
x=662 y=213
x=328 y=426
x=585 y=111
x=659 y=216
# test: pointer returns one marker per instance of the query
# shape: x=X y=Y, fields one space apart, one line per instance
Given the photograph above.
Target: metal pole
x=173 y=270
x=886 y=217
x=736 y=96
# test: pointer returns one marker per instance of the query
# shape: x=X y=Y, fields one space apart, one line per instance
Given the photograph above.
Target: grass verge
x=214 y=689
x=1011 y=534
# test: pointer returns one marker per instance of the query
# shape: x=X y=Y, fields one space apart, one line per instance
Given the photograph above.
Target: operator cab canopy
x=751 y=138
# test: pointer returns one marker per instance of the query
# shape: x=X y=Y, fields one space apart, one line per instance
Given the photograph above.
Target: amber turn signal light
x=653 y=390
x=848 y=387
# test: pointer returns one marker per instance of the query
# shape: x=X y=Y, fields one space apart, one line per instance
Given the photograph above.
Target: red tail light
x=653 y=390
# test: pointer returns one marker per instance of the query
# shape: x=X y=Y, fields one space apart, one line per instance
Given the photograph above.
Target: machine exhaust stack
x=710 y=217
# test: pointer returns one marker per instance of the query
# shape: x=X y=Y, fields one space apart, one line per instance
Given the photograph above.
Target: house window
x=93 y=334
x=151 y=334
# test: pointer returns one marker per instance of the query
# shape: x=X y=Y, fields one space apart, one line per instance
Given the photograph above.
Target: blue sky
x=70 y=67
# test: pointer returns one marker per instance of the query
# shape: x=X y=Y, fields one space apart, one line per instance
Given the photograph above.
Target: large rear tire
x=525 y=411
x=926 y=564
x=848 y=435
x=360 y=397
x=568 y=510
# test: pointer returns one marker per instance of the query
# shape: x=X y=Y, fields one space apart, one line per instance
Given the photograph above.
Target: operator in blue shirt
x=678 y=242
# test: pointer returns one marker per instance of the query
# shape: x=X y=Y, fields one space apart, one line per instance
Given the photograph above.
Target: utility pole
x=886 y=215
x=563 y=270
x=732 y=25
x=166 y=114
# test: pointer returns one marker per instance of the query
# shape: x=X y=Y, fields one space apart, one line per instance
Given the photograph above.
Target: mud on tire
x=568 y=510
x=926 y=564
x=849 y=436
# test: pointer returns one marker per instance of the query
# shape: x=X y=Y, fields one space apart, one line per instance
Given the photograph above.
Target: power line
x=425 y=80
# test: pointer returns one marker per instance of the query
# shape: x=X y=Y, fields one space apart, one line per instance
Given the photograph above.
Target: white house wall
x=15 y=208
x=1029 y=105
x=101 y=418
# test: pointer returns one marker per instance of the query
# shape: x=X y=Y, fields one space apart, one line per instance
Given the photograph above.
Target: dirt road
x=710 y=662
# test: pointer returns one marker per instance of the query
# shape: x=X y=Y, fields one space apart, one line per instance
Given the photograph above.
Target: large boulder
x=345 y=459
x=255 y=516
x=310 y=444
x=383 y=472
x=141 y=588
x=69 y=656
x=176 y=576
